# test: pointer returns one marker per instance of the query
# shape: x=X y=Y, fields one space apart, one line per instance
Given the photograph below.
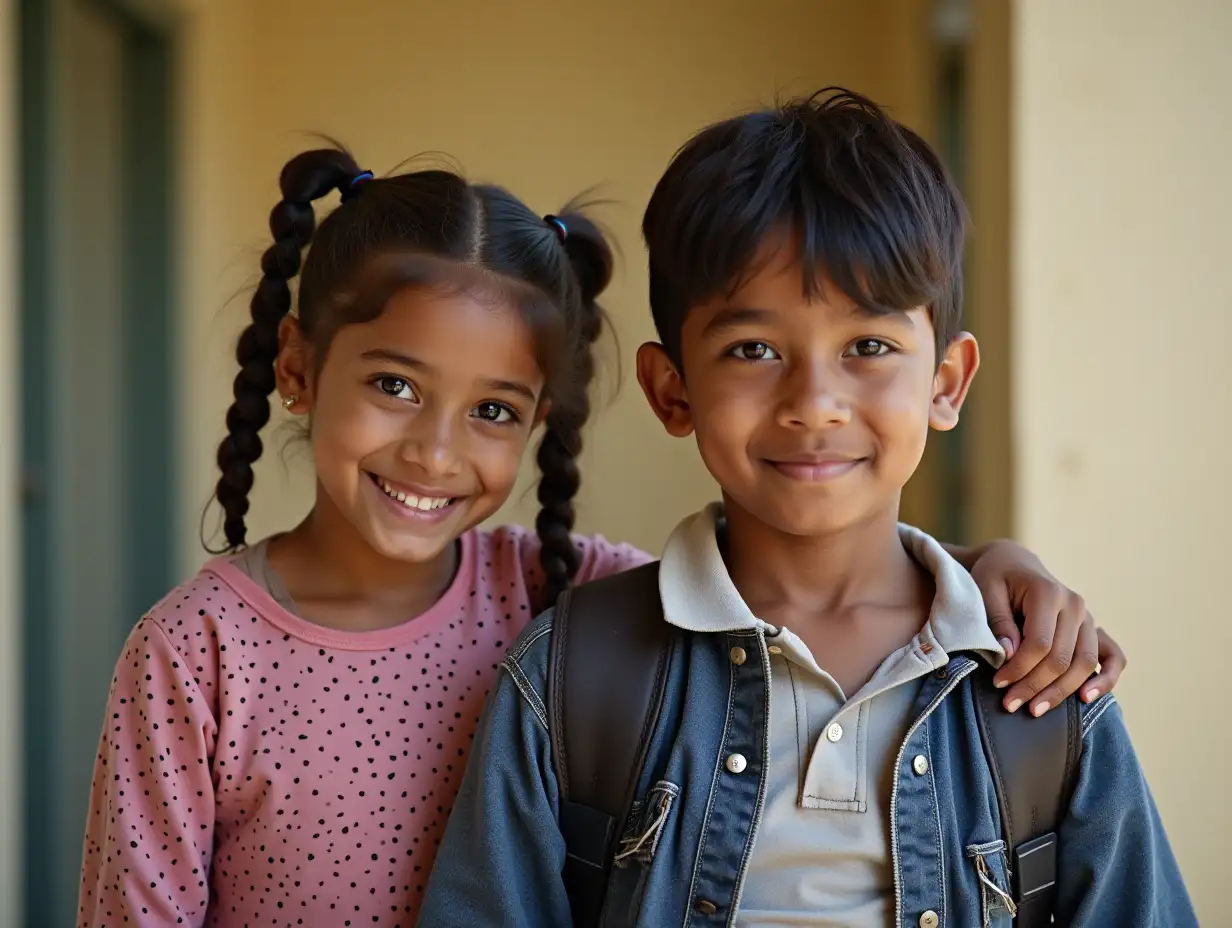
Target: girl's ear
x=293 y=367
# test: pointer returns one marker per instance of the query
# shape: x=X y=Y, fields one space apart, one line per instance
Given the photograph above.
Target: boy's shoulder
x=1104 y=710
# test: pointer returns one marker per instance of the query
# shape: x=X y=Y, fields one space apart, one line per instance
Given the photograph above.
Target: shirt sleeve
x=502 y=856
x=1115 y=864
x=601 y=558
x=150 y=832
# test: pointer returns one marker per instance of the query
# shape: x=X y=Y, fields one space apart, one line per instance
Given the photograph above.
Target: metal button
x=738 y=656
x=736 y=763
x=920 y=765
x=774 y=649
x=706 y=907
x=930 y=919
x=834 y=733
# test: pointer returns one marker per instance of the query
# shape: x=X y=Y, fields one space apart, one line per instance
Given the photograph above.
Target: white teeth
x=422 y=503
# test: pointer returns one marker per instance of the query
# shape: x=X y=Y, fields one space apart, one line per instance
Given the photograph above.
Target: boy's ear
x=664 y=389
x=953 y=380
x=293 y=367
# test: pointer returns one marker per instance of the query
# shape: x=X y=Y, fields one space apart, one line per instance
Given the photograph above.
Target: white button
x=736 y=763
x=920 y=764
x=834 y=733
x=775 y=649
x=930 y=919
x=738 y=656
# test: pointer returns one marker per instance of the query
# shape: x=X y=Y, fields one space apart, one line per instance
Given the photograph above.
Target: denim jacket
x=695 y=823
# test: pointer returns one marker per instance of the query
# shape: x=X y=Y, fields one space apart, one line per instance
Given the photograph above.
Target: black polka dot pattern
x=255 y=770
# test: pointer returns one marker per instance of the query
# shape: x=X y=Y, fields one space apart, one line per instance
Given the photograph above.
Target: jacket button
x=834 y=733
x=738 y=656
x=736 y=763
x=920 y=765
x=930 y=919
x=706 y=907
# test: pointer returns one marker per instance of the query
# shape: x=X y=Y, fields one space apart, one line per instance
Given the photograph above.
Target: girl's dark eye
x=395 y=387
x=494 y=412
x=869 y=348
x=754 y=351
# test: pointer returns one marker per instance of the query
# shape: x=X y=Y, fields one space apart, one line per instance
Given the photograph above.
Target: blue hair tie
x=352 y=189
x=558 y=226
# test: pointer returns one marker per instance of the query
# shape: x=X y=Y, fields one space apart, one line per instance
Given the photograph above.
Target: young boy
x=818 y=759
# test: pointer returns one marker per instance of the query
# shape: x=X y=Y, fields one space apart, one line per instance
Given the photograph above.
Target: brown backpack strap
x=1034 y=764
x=607 y=672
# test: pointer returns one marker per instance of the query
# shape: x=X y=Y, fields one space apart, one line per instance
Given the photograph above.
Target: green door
x=97 y=395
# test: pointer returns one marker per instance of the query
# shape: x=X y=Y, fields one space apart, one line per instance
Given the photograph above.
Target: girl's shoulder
x=217 y=594
x=516 y=548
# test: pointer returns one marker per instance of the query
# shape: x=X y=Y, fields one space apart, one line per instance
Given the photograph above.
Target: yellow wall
x=547 y=98
x=1123 y=389
x=10 y=620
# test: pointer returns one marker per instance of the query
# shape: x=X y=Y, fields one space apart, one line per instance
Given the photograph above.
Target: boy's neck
x=782 y=575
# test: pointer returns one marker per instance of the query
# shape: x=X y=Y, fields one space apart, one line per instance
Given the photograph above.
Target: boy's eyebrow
x=733 y=317
x=903 y=316
x=405 y=360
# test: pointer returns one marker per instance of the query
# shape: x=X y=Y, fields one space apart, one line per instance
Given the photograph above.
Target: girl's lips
x=424 y=506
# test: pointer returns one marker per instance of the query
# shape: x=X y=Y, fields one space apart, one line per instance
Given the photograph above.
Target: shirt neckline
x=427 y=622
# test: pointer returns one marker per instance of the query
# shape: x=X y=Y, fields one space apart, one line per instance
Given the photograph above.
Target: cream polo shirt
x=822 y=853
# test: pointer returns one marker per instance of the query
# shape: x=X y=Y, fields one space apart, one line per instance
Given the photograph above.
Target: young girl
x=286 y=731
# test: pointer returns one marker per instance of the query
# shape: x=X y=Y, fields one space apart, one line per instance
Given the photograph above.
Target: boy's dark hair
x=428 y=228
x=869 y=203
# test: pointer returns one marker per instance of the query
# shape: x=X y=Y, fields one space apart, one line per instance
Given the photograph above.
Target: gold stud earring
x=290 y=401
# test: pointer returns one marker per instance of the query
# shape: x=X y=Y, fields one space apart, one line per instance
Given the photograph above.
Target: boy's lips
x=815 y=468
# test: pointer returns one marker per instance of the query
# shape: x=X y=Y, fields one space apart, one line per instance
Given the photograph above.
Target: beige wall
x=10 y=619
x=547 y=97
x=1123 y=389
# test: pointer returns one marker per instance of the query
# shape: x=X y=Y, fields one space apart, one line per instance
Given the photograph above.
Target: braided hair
x=562 y=437
x=415 y=229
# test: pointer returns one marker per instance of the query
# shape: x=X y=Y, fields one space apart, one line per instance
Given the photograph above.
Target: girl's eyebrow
x=405 y=360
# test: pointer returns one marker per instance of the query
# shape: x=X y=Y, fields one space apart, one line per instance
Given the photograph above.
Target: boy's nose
x=813 y=398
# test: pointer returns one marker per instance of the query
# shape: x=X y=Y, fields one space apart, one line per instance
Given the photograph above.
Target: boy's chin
x=812 y=519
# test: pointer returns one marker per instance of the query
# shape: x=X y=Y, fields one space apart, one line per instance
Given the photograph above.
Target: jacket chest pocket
x=647 y=818
x=992 y=871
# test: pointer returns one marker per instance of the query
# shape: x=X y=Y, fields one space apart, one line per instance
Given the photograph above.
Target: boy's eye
x=494 y=412
x=395 y=387
x=754 y=351
x=869 y=348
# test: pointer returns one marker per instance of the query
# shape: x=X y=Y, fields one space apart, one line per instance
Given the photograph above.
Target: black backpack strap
x=606 y=677
x=1034 y=764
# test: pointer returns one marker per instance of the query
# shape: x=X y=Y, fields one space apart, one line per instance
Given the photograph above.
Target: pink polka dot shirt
x=258 y=770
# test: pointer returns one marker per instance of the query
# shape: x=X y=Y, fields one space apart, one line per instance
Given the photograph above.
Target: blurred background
x=140 y=145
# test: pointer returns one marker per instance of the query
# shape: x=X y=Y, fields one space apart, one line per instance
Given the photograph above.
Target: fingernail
x=1014 y=705
x=1040 y=709
x=1005 y=644
x=1000 y=684
x=1092 y=695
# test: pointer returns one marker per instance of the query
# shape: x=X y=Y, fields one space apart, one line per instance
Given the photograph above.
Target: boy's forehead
x=777 y=294
x=776 y=283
